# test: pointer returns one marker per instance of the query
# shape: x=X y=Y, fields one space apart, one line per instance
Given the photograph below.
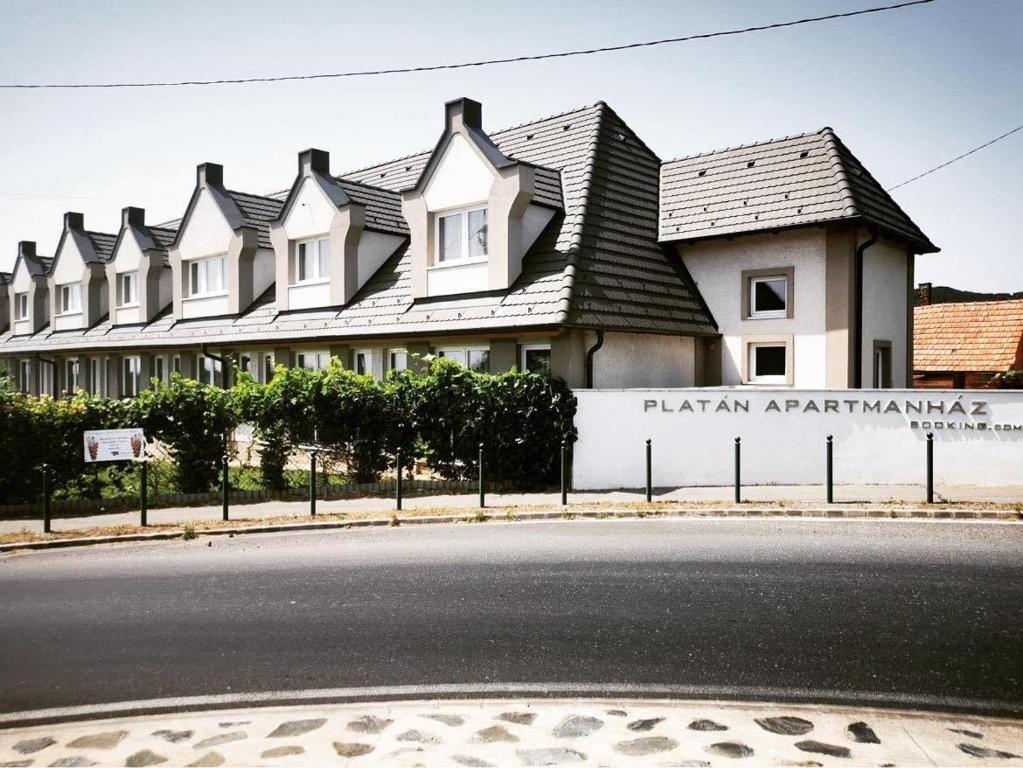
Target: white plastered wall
x=885 y=299
x=207 y=234
x=128 y=258
x=717 y=267
x=21 y=283
x=69 y=268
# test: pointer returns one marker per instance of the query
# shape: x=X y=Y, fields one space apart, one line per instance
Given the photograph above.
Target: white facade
x=206 y=235
x=886 y=297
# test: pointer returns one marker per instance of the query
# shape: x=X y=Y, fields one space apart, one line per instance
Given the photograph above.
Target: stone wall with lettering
x=879 y=436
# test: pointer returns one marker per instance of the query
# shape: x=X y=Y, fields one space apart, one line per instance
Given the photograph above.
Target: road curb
x=567 y=514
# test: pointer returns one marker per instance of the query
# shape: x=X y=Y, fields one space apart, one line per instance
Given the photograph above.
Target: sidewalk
x=525 y=733
x=790 y=495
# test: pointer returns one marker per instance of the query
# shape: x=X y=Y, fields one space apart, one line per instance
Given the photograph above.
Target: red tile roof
x=975 y=336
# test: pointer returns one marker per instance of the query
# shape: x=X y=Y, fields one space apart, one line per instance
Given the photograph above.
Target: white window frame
x=751 y=351
x=464 y=257
x=72 y=374
x=318 y=360
x=99 y=376
x=74 y=290
x=131 y=375
x=397 y=359
x=322 y=261
x=131 y=280
x=461 y=355
x=366 y=356
x=767 y=314
x=201 y=276
x=209 y=370
x=21 y=306
x=46 y=376
x=161 y=369
x=531 y=348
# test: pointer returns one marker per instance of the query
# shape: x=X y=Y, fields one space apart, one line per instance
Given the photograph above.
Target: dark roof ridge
x=761 y=143
x=579 y=225
x=831 y=142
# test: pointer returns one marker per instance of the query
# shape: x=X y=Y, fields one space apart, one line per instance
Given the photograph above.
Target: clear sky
x=905 y=90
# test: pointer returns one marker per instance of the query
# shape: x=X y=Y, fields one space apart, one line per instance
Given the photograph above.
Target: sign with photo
x=114 y=445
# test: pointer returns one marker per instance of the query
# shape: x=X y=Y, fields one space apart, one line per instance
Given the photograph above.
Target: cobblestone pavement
x=525 y=733
x=792 y=495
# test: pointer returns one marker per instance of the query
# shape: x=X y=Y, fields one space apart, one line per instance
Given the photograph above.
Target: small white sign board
x=114 y=445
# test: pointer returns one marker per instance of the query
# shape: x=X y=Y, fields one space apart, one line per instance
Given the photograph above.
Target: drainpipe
x=589 y=358
x=858 y=299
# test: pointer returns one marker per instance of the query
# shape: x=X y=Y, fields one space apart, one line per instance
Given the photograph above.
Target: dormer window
x=206 y=276
x=462 y=235
x=70 y=298
x=312 y=260
x=21 y=306
x=127 y=289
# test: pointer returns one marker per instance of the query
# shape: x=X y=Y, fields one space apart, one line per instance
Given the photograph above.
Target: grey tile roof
x=383 y=207
x=597 y=264
x=798 y=180
x=258 y=211
x=102 y=244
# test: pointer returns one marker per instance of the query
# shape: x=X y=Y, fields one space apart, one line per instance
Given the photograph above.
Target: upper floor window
x=21 y=306
x=462 y=235
x=312 y=260
x=471 y=357
x=206 y=276
x=127 y=289
x=70 y=298
x=767 y=293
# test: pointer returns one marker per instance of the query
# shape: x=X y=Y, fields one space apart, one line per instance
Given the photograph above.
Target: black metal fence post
x=312 y=482
x=564 y=473
x=930 y=467
x=225 y=481
x=738 y=470
x=46 y=498
x=831 y=484
x=483 y=499
x=397 y=485
x=143 y=491
x=649 y=471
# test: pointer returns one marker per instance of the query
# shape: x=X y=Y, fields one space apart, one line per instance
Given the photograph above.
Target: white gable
x=69 y=267
x=21 y=279
x=207 y=232
x=128 y=256
x=461 y=177
x=311 y=213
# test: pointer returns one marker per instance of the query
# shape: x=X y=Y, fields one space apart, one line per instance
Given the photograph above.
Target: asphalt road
x=877 y=612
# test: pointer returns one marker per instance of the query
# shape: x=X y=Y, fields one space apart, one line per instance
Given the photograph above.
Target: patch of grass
x=394 y=522
x=566 y=515
x=510 y=515
x=479 y=516
x=188 y=532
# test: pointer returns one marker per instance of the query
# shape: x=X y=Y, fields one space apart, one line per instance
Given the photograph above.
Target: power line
x=960 y=157
x=483 y=63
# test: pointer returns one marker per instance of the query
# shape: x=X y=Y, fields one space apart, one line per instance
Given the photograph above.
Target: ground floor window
x=99 y=377
x=161 y=370
x=211 y=371
x=768 y=361
x=46 y=379
x=132 y=367
x=71 y=382
x=268 y=367
x=312 y=361
x=536 y=358
x=363 y=361
x=397 y=359
x=882 y=364
x=25 y=375
x=474 y=358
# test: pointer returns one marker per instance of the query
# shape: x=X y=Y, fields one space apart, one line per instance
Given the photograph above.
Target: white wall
x=717 y=268
x=786 y=444
x=208 y=232
x=311 y=214
x=885 y=295
x=308 y=295
x=457 y=277
x=645 y=360
x=461 y=178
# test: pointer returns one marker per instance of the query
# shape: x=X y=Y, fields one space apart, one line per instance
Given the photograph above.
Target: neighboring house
x=563 y=245
x=966 y=344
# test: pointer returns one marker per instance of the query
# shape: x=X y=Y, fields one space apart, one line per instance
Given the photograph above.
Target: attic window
x=803 y=154
x=751 y=163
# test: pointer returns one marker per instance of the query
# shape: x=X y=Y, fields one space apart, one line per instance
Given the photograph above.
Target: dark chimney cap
x=316 y=160
x=133 y=217
x=463 y=112
x=923 y=295
x=27 y=249
x=74 y=220
x=209 y=175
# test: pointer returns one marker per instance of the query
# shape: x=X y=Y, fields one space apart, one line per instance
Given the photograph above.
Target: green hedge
x=440 y=416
